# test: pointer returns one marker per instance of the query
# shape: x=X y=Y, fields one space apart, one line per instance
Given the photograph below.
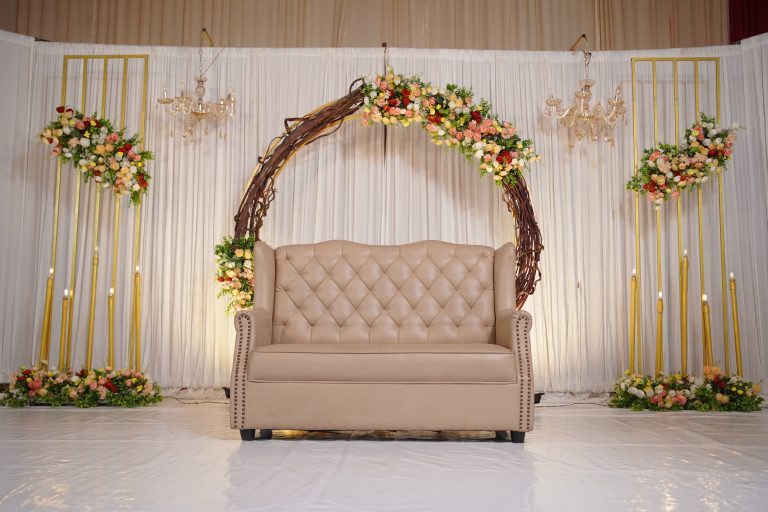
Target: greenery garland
x=101 y=153
x=40 y=386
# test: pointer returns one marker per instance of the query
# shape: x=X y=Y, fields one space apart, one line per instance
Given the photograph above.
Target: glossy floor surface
x=184 y=457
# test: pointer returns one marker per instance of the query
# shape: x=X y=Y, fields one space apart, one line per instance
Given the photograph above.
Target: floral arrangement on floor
x=452 y=118
x=234 y=272
x=40 y=386
x=666 y=170
x=99 y=151
x=716 y=391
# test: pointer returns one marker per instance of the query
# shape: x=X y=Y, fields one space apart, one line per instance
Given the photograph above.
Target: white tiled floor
x=185 y=457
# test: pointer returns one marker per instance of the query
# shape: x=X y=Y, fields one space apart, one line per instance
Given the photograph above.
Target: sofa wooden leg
x=502 y=435
x=247 y=434
x=518 y=437
x=265 y=433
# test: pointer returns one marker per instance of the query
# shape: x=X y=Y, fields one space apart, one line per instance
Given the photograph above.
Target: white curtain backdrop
x=348 y=186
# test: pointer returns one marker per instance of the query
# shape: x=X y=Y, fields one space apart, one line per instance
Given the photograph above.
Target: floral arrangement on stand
x=40 y=386
x=234 y=262
x=716 y=391
x=99 y=151
x=666 y=170
x=451 y=118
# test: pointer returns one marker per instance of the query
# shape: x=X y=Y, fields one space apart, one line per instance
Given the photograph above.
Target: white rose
x=231 y=264
x=248 y=264
x=85 y=142
x=478 y=145
x=623 y=386
x=66 y=130
x=75 y=378
x=136 y=187
x=649 y=393
x=707 y=142
x=441 y=132
x=672 y=393
x=479 y=154
x=670 y=175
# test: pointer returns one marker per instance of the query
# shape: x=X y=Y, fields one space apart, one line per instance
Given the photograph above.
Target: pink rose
x=56 y=150
x=93 y=385
x=477 y=137
x=80 y=125
x=128 y=382
x=36 y=384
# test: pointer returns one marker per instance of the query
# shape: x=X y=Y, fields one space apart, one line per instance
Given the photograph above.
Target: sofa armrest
x=513 y=331
x=254 y=329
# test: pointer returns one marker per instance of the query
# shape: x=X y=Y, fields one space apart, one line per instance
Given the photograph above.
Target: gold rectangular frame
x=635 y=357
x=65 y=345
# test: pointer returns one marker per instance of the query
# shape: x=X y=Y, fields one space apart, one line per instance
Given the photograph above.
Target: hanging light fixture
x=195 y=110
x=582 y=120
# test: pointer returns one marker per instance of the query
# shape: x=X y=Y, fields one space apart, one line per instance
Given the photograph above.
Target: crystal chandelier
x=581 y=120
x=195 y=109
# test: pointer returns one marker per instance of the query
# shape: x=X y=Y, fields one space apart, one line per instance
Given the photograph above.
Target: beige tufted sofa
x=345 y=336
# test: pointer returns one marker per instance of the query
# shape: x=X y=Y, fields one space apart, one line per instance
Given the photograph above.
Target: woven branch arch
x=327 y=119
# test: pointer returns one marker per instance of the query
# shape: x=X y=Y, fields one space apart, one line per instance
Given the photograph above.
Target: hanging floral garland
x=451 y=118
x=666 y=170
x=99 y=152
x=234 y=263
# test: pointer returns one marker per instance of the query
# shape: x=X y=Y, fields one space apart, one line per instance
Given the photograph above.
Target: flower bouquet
x=101 y=153
x=234 y=261
x=716 y=391
x=39 y=386
x=666 y=170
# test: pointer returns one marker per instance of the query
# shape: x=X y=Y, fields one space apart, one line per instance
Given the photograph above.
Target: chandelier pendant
x=195 y=110
x=583 y=121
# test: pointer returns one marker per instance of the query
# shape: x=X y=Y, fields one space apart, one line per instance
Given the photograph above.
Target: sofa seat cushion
x=383 y=363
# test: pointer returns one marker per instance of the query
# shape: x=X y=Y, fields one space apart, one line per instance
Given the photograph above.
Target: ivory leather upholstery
x=346 y=336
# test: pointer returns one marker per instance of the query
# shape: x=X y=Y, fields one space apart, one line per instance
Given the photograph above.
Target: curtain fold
x=349 y=186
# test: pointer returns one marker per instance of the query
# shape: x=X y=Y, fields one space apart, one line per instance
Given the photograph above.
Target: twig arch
x=324 y=121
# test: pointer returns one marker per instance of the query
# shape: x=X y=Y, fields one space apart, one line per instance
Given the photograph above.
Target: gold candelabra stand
x=103 y=70
x=635 y=317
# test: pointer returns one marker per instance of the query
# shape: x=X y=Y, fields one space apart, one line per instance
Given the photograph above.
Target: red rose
x=60 y=110
x=504 y=156
x=476 y=116
x=437 y=119
x=127 y=148
x=394 y=101
x=221 y=279
x=406 y=101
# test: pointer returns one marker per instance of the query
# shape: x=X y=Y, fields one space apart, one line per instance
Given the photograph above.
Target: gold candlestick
x=684 y=315
x=736 y=333
x=137 y=319
x=111 y=319
x=707 y=341
x=659 y=335
x=632 y=320
x=45 y=336
x=92 y=311
x=64 y=322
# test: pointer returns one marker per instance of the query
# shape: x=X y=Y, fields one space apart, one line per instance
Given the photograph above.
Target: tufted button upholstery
x=344 y=292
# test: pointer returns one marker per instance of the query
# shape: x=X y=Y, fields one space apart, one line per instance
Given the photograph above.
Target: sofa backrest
x=345 y=292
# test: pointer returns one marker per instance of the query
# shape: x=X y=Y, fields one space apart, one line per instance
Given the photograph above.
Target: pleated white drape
x=351 y=186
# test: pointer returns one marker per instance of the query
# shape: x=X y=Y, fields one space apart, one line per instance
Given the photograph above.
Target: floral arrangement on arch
x=453 y=119
x=234 y=272
x=716 y=391
x=666 y=170
x=38 y=385
x=99 y=151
